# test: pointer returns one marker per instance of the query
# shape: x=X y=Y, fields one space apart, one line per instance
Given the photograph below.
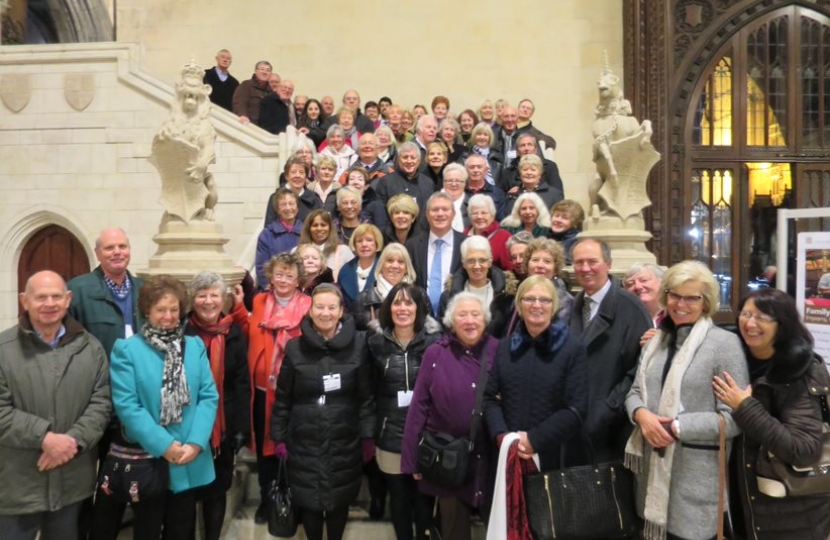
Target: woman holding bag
x=780 y=413
x=673 y=450
x=442 y=402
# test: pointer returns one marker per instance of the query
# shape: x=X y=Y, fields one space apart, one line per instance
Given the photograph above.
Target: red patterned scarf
x=285 y=323
x=518 y=527
x=213 y=335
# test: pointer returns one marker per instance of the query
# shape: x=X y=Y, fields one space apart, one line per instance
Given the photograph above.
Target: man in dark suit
x=436 y=253
x=610 y=321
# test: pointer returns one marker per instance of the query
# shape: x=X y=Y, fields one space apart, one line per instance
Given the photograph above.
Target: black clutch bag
x=282 y=515
x=587 y=502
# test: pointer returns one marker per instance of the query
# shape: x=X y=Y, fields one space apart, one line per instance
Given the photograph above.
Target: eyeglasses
x=474 y=262
x=284 y=277
x=530 y=300
x=688 y=300
x=759 y=317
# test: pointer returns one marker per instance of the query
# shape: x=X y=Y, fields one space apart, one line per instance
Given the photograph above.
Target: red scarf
x=285 y=323
x=213 y=335
x=518 y=527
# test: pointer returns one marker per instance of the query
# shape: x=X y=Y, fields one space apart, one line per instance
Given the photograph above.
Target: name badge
x=331 y=382
x=511 y=154
x=404 y=398
x=128 y=331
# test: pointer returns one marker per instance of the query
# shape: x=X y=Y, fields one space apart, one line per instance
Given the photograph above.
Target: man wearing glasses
x=610 y=321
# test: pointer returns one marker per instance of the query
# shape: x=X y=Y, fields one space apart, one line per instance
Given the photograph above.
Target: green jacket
x=95 y=308
x=64 y=390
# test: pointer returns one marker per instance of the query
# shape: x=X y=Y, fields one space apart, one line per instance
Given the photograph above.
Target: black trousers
x=408 y=506
x=175 y=514
x=61 y=524
x=334 y=521
x=267 y=466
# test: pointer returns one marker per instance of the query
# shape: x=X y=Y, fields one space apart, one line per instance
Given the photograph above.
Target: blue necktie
x=434 y=284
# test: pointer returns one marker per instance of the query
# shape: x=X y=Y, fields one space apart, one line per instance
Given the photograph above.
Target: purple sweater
x=443 y=400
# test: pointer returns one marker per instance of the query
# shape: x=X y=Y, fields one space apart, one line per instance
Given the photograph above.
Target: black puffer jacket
x=395 y=370
x=783 y=415
x=323 y=430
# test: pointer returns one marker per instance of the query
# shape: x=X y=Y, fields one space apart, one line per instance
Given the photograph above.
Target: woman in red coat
x=275 y=319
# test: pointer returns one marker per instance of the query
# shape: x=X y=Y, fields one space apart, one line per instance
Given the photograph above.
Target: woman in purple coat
x=442 y=400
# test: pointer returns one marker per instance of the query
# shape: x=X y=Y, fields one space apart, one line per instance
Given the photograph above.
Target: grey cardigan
x=693 y=494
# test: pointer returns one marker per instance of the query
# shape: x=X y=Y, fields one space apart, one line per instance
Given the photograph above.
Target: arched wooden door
x=52 y=248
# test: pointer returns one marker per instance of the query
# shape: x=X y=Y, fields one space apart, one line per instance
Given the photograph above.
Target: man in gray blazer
x=610 y=321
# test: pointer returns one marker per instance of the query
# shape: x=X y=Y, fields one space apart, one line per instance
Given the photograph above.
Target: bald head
x=112 y=248
x=351 y=99
x=46 y=300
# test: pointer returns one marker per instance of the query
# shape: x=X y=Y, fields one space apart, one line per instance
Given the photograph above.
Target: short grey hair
x=480 y=200
x=521 y=237
x=476 y=243
x=341 y=193
x=439 y=195
x=334 y=128
x=207 y=279
x=409 y=146
x=685 y=271
x=420 y=123
x=458 y=168
x=453 y=305
x=449 y=121
x=636 y=268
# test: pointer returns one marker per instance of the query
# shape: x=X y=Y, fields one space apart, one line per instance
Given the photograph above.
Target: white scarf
x=383 y=287
x=659 y=471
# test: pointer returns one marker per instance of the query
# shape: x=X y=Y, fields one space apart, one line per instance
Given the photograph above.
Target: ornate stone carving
x=15 y=91
x=623 y=154
x=79 y=89
x=183 y=150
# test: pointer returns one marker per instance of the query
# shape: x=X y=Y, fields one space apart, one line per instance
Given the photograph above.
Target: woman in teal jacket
x=165 y=396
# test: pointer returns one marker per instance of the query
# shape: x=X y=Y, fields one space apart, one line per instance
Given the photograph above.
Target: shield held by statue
x=633 y=159
x=181 y=195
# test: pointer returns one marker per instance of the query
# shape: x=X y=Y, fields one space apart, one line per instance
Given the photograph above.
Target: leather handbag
x=585 y=502
x=131 y=475
x=282 y=514
x=444 y=460
x=778 y=479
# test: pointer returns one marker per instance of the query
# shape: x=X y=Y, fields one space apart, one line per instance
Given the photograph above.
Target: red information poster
x=813 y=287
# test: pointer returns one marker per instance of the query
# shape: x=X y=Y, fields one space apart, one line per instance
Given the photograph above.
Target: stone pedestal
x=187 y=249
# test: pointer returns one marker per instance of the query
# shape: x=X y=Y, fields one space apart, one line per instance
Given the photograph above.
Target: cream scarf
x=659 y=471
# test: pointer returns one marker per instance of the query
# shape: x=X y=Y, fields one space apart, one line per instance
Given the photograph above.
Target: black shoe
x=261 y=515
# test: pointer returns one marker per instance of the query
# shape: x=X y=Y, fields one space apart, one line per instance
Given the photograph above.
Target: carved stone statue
x=183 y=151
x=189 y=239
x=623 y=154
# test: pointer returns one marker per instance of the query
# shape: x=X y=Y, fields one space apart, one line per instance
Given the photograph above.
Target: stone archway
x=57 y=21
x=52 y=248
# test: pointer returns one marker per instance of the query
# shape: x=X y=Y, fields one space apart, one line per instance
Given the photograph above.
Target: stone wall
x=87 y=169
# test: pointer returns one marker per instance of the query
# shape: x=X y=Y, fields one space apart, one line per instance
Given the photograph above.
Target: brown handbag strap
x=721 y=472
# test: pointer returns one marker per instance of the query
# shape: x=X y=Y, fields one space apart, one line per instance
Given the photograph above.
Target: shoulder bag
x=444 y=460
x=282 y=514
x=778 y=479
x=586 y=502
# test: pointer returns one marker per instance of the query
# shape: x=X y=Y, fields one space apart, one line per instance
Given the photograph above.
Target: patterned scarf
x=213 y=335
x=284 y=322
x=174 y=390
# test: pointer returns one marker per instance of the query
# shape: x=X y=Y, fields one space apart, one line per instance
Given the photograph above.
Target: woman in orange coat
x=275 y=320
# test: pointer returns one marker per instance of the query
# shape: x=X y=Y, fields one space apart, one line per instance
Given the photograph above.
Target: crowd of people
x=393 y=269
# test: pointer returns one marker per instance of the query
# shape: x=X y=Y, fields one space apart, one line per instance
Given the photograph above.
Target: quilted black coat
x=323 y=430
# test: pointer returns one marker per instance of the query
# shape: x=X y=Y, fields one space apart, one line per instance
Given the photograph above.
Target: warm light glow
x=769 y=180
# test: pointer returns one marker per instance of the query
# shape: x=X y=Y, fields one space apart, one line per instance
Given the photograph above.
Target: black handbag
x=444 y=460
x=778 y=479
x=131 y=475
x=282 y=515
x=586 y=502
